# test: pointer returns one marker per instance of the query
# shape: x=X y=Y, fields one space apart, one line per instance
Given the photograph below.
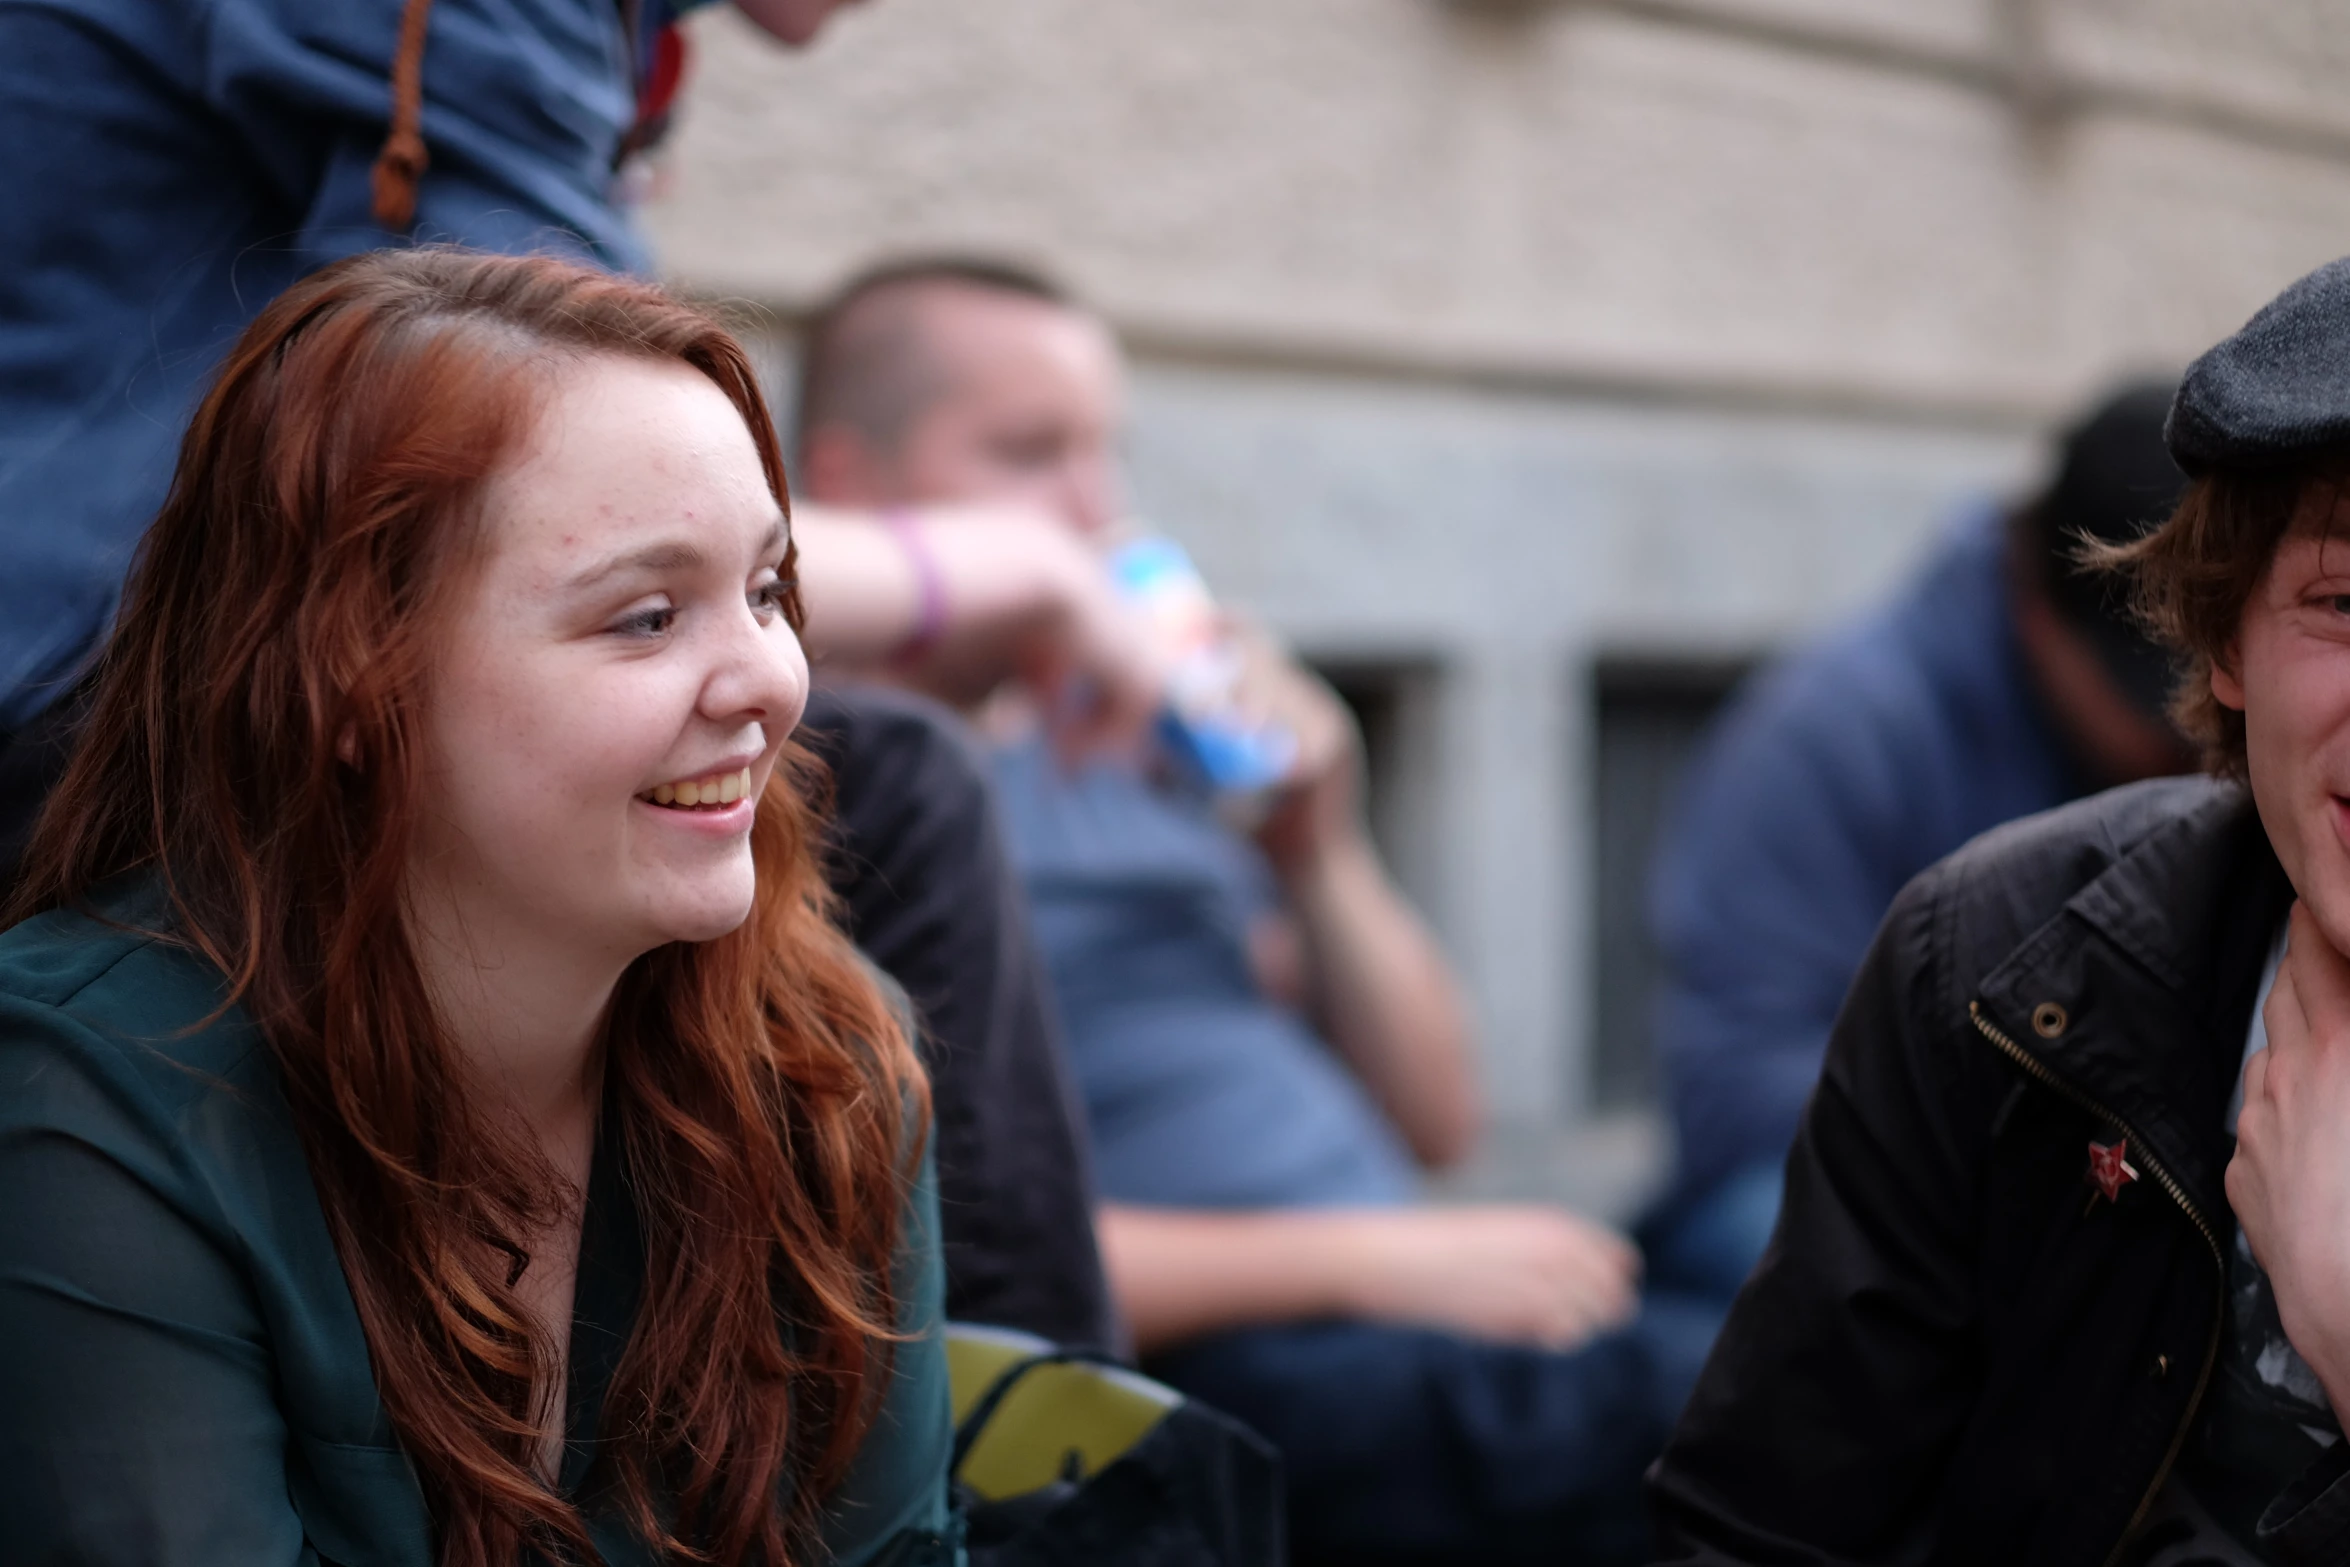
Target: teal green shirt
x=183 y=1378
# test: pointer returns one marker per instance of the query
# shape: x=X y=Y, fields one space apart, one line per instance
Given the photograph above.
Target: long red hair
x=252 y=742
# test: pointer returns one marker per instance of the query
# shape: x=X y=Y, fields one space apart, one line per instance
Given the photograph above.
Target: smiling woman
x=440 y=1121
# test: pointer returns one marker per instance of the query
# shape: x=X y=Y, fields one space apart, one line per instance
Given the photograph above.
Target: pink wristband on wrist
x=930 y=590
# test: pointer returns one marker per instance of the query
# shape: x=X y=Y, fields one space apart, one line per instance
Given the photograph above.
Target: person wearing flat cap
x=2004 y=679
x=2062 y=1273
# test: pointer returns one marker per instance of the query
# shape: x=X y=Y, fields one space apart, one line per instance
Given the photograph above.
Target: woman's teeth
x=717 y=789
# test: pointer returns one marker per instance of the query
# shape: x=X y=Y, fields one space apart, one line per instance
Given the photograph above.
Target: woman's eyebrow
x=668 y=555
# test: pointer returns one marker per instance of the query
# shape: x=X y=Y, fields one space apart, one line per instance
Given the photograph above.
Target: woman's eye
x=2339 y=603
x=651 y=621
x=768 y=597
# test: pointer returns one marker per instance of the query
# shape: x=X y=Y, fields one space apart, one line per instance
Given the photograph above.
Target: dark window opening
x=1652 y=715
x=1394 y=702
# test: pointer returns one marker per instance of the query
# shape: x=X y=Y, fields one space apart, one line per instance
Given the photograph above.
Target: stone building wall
x=1486 y=342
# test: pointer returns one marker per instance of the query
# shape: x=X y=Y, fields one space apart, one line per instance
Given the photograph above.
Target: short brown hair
x=2192 y=576
x=864 y=361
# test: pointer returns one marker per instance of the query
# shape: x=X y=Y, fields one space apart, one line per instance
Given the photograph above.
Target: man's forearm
x=1179 y=1274
x=991 y=583
x=1386 y=997
x=1513 y=1274
x=862 y=590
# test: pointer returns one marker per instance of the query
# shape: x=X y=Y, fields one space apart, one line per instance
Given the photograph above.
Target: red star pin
x=2109 y=1168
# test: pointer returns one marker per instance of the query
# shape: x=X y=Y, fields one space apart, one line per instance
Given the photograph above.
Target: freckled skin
x=556 y=706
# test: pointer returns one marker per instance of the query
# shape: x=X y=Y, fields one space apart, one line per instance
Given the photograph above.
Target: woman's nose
x=760 y=675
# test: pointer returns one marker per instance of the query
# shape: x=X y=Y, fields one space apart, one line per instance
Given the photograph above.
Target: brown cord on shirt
x=401 y=163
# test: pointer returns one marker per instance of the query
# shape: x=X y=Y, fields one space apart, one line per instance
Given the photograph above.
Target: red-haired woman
x=438 y=1123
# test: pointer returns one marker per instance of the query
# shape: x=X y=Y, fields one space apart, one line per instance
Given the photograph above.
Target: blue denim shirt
x=174 y=164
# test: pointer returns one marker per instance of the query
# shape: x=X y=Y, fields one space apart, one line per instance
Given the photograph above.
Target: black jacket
x=1951 y=1352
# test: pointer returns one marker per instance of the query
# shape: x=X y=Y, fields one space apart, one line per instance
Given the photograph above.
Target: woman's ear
x=347 y=746
x=2226 y=689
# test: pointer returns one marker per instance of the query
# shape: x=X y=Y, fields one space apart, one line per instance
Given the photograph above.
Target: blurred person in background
x=2064 y=1273
x=2003 y=681
x=175 y=164
x=1270 y=1045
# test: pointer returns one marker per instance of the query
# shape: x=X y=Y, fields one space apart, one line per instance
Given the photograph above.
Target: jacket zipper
x=2032 y=1065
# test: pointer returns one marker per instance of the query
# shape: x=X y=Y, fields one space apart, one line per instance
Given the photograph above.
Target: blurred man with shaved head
x=1269 y=1044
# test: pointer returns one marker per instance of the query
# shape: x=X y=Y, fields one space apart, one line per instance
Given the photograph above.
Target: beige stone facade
x=1967 y=205
x=1498 y=341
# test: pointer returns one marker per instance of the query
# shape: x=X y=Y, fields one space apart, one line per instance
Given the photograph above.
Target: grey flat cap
x=2278 y=389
